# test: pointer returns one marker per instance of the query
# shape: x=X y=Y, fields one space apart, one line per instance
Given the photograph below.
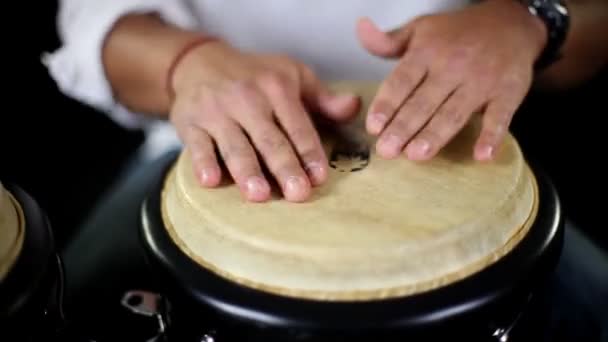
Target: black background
x=62 y=152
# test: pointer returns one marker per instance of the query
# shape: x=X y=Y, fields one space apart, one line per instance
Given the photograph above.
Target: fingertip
x=419 y=150
x=484 y=152
x=317 y=173
x=256 y=189
x=365 y=25
x=297 y=189
x=209 y=176
x=340 y=107
x=375 y=123
x=389 y=146
x=374 y=40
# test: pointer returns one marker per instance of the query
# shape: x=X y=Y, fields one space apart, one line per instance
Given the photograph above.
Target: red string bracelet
x=178 y=58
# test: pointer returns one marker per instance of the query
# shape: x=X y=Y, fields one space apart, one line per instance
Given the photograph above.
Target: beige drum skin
x=377 y=229
x=11 y=231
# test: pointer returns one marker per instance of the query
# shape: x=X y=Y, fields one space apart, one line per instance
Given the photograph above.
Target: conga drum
x=30 y=271
x=386 y=250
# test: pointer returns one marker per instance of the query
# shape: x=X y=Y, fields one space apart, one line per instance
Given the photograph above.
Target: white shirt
x=319 y=33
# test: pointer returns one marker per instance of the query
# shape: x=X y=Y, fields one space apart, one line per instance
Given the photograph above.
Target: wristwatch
x=556 y=16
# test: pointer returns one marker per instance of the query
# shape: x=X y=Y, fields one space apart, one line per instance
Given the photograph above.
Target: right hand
x=246 y=104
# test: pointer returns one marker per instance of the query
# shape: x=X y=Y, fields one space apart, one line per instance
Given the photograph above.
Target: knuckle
x=301 y=134
x=289 y=68
x=382 y=106
x=490 y=136
x=202 y=112
x=311 y=155
x=235 y=152
x=401 y=80
x=455 y=118
x=271 y=141
x=495 y=130
x=201 y=159
x=401 y=127
x=460 y=59
x=275 y=82
x=247 y=92
x=418 y=106
x=434 y=135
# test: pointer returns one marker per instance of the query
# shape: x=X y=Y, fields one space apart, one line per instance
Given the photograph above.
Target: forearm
x=137 y=55
x=586 y=48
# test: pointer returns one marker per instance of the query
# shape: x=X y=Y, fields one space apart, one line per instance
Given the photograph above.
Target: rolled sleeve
x=77 y=66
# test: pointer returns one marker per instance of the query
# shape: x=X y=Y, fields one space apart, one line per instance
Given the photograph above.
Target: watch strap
x=555 y=15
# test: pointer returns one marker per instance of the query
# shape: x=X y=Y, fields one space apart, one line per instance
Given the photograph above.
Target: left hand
x=451 y=66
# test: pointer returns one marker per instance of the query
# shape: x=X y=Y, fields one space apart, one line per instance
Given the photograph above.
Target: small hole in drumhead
x=135 y=300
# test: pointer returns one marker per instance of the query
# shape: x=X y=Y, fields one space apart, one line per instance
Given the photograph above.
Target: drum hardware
x=208 y=338
x=148 y=305
x=502 y=334
x=351 y=153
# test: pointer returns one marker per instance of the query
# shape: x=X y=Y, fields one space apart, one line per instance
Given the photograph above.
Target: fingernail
x=377 y=122
x=389 y=146
x=209 y=176
x=296 y=188
x=486 y=152
x=418 y=149
x=345 y=97
x=316 y=172
x=257 y=188
x=339 y=101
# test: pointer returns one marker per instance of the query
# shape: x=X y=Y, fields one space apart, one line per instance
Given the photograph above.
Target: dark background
x=65 y=154
x=59 y=150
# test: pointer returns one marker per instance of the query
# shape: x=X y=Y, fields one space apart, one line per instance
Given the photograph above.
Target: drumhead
x=11 y=231
x=23 y=290
x=378 y=229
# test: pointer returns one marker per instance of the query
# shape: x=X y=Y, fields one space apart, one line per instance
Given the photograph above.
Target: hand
x=247 y=105
x=451 y=66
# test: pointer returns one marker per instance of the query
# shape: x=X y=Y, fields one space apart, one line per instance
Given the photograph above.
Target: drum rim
x=22 y=282
x=428 y=308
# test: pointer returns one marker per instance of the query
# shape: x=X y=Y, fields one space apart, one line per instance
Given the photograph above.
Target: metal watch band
x=555 y=15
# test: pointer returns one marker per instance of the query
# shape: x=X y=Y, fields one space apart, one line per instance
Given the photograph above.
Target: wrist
x=185 y=60
x=532 y=27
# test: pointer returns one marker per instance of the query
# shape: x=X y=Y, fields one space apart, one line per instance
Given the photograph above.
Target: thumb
x=389 y=44
x=320 y=99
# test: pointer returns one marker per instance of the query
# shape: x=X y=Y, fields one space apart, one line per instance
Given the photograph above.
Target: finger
x=397 y=87
x=495 y=126
x=451 y=117
x=412 y=116
x=240 y=159
x=202 y=152
x=383 y=44
x=319 y=99
x=272 y=144
x=298 y=126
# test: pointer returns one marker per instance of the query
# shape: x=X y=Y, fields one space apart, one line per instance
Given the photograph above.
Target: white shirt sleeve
x=77 y=66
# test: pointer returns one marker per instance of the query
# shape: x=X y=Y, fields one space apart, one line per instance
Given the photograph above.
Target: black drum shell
x=30 y=288
x=198 y=301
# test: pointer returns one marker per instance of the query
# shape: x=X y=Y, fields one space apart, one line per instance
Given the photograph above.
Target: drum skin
x=29 y=288
x=200 y=301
